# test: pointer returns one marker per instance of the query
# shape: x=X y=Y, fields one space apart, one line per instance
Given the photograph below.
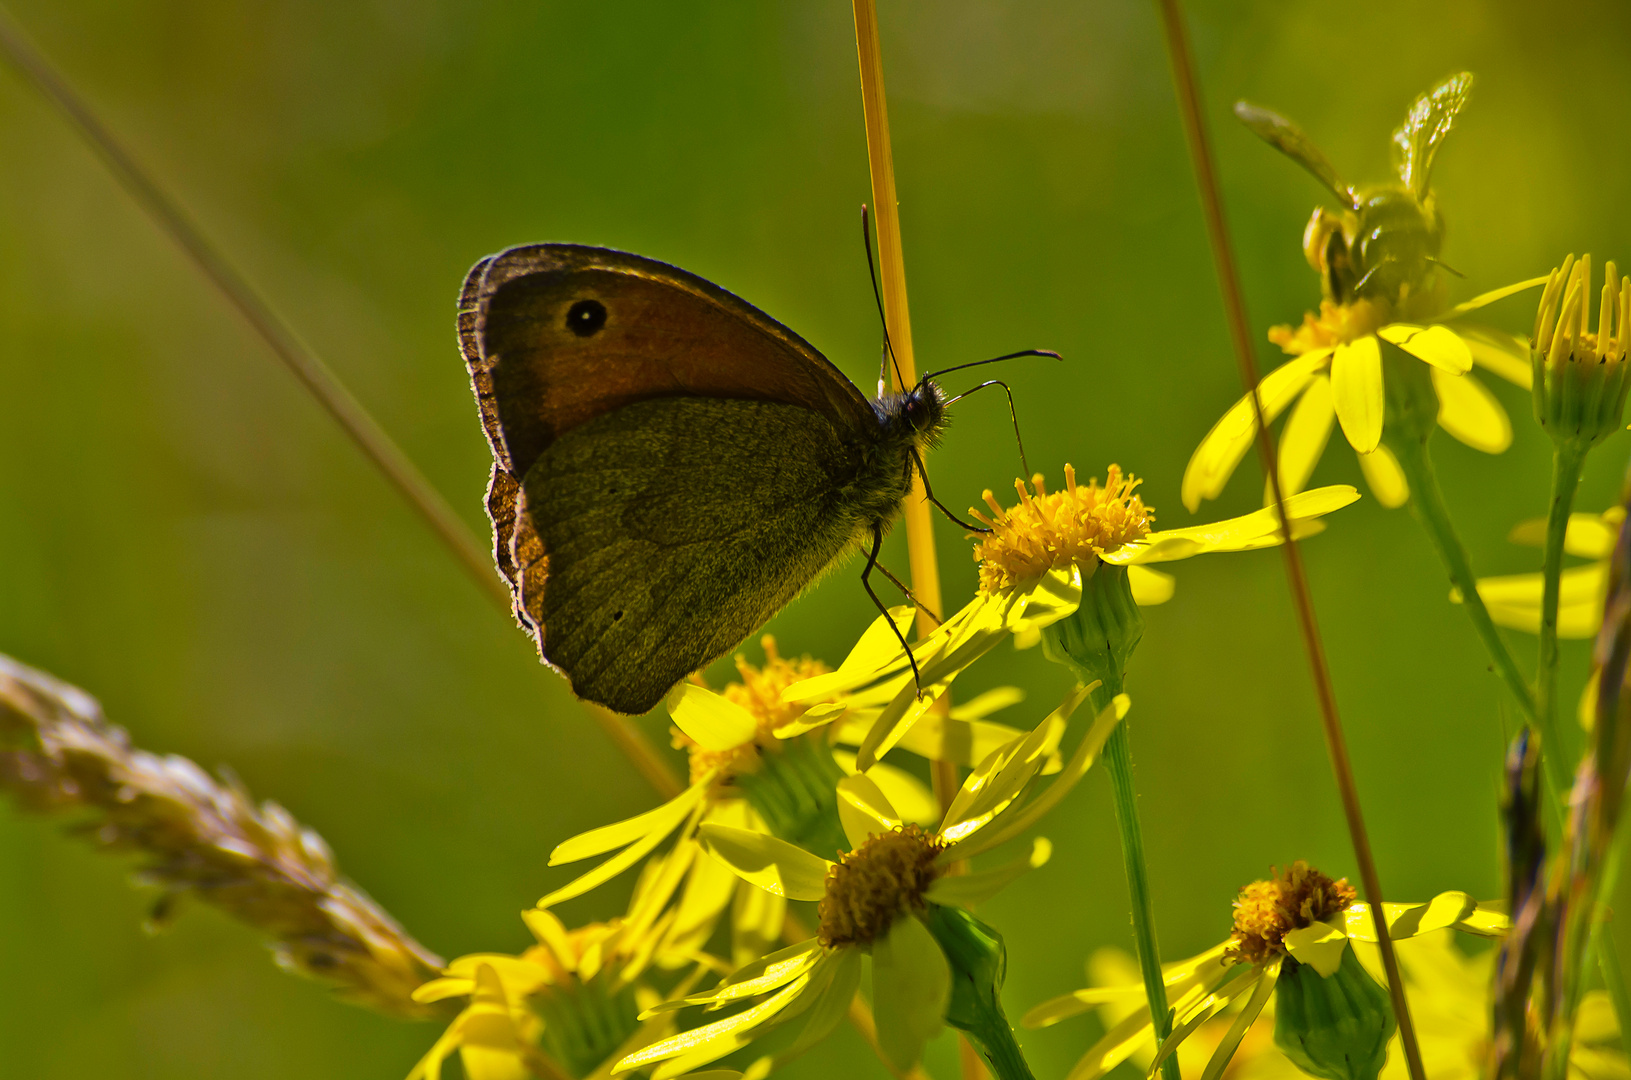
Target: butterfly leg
x=901 y=585
x=928 y=493
x=866 y=583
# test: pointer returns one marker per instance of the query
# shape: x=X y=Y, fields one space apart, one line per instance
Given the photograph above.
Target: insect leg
x=899 y=584
x=866 y=583
x=1012 y=415
x=928 y=493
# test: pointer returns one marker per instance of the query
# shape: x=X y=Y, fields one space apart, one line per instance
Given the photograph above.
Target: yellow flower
x=1032 y=567
x=876 y=900
x=1337 y=375
x=1513 y=600
x=571 y=1003
x=741 y=754
x=1301 y=915
x=1449 y=1003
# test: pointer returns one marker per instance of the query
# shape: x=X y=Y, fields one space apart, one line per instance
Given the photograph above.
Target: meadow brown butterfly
x=670 y=464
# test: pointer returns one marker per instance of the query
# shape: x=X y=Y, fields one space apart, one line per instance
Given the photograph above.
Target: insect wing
x=1431 y=117
x=1289 y=139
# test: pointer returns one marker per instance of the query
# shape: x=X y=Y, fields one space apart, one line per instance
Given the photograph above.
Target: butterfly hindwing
x=659 y=550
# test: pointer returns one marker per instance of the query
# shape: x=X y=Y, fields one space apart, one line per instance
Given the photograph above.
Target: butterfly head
x=916 y=415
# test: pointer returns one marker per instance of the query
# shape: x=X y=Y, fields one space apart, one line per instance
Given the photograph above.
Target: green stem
x=1566 y=463
x=1427 y=503
x=1118 y=756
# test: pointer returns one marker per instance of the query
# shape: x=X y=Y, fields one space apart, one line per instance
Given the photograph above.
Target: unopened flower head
x=1049 y=530
x=1579 y=378
x=880 y=880
x=1266 y=911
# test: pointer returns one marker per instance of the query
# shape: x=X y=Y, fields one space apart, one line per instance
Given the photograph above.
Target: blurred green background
x=185 y=535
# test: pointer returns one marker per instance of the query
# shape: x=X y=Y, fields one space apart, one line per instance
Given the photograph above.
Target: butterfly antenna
x=1012 y=415
x=877 y=297
x=995 y=359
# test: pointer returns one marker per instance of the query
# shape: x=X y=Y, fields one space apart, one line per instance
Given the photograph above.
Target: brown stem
x=1200 y=151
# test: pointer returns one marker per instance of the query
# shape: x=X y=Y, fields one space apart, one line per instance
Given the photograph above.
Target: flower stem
x=1118 y=757
x=1567 y=460
x=1427 y=504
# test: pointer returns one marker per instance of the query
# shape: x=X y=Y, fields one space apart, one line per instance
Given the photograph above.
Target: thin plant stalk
x=315 y=376
x=1567 y=460
x=922 y=560
x=1118 y=759
x=1189 y=102
x=1427 y=504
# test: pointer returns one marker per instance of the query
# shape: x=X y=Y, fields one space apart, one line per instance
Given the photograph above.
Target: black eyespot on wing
x=586 y=317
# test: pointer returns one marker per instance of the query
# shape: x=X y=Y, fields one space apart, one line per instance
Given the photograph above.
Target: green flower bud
x=1336 y=1028
x=1579 y=377
x=1099 y=638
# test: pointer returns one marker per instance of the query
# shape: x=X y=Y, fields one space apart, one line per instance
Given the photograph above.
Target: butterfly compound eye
x=586 y=317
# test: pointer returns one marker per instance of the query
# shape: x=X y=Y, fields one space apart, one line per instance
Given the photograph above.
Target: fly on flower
x=882 y=899
x=1291 y=935
x=1378 y=261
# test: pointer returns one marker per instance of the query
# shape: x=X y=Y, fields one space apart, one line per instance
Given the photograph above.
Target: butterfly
x=671 y=465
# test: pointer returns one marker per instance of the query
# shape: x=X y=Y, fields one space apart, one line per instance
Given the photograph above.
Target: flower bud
x=1098 y=639
x=1579 y=377
x=1336 y=1028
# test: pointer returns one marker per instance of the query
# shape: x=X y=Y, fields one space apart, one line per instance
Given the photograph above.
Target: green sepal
x=1096 y=641
x=1336 y=1028
x=795 y=792
x=979 y=962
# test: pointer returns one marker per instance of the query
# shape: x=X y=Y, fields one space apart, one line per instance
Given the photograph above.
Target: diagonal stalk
x=1427 y=504
x=306 y=366
x=1189 y=102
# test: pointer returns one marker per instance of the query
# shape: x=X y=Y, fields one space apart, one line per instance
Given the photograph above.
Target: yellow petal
x=712 y=722
x=721 y=1035
x=599 y=841
x=1587 y=715
x=1384 y=477
x=904 y=791
x=1000 y=779
x=976 y=888
x=1017 y=821
x=1150 y=587
x=1437 y=345
x=687 y=804
x=1215 y=459
x=1319 y=945
x=1407 y=920
x=911 y=983
x=1237 y=1030
x=1470 y=413
x=774 y=865
x=760 y=977
x=1498 y=352
x=1243 y=533
x=1307 y=431
x=1493 y=295
x=833 y=1005
x=864 y=809
x=1356 y=392
x=983 y=705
